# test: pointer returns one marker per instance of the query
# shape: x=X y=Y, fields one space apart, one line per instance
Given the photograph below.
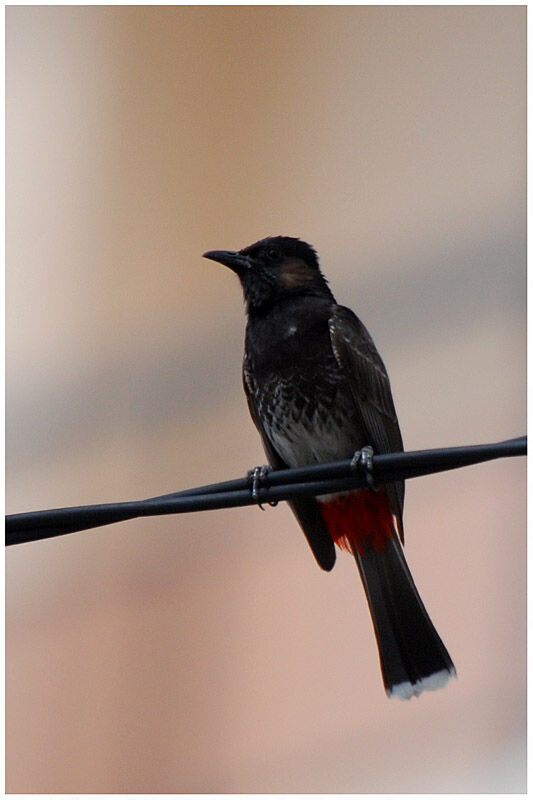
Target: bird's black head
x=273 y=269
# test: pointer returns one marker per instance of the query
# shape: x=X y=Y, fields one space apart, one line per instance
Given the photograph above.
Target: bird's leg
x=257 y=475
x=363 y=460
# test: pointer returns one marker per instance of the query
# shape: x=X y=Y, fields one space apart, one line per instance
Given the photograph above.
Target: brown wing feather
x=369 y=384
x=305 y=509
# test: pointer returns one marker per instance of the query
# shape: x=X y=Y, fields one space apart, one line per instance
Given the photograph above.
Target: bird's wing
x=305 y=509
x=367 y=378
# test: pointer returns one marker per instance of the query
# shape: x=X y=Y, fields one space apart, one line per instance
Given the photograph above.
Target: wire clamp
x=258 y=476
x=363 y=461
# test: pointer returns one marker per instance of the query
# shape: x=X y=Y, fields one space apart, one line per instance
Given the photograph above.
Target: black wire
x=274 y=486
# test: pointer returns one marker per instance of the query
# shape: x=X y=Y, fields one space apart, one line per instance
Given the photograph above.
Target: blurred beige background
x=207 y=652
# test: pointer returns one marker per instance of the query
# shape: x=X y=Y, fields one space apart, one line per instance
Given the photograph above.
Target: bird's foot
x=363 y=461
x=257 y=477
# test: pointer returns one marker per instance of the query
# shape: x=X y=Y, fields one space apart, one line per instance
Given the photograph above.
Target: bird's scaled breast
x=298 y=389
x=308 y=421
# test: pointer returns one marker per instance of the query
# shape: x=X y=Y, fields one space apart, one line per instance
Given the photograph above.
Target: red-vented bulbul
x=318 y=391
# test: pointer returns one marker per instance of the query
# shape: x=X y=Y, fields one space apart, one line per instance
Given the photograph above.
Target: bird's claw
x=257 y=476
x=363 y=460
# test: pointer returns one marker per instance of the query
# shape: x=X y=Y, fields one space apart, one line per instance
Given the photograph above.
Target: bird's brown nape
x=294 y=273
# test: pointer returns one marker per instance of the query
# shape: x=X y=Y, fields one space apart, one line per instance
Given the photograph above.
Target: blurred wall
x=207 y=653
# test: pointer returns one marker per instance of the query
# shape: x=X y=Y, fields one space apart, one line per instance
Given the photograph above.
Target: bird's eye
x=272 y=254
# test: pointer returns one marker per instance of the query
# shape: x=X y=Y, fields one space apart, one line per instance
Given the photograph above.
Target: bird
x=318 y=391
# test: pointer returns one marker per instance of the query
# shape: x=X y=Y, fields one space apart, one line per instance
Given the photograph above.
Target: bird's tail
x=412 y=655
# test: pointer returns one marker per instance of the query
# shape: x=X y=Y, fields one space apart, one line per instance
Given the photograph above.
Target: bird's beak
x=230 y=258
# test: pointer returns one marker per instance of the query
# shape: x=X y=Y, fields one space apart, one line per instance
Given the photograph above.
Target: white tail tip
x=406 y=690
